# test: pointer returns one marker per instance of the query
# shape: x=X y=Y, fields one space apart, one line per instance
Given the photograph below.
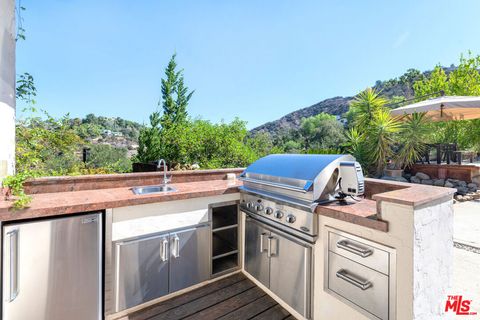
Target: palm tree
x=414 y=130
x=380 y=138
x=365 y=105
x=355 y=146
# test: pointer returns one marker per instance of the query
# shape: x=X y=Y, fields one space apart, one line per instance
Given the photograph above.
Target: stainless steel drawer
x=362 y=251
x=364 y=287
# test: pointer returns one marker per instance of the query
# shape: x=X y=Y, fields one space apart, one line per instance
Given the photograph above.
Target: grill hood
x=300 y=178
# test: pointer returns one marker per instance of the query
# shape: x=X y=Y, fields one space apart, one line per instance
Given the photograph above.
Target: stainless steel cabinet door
x=256 y=260
x=141 y=271
x=189 y=257
x=52 y=269
x=290 y=270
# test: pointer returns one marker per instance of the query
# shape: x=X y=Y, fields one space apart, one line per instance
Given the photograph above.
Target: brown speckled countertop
x=75 y=198
x=59 y=203
x=409 y=194
x=362 y=212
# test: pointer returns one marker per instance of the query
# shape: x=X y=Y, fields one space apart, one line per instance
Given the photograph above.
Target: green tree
x=464 y=80
x=356 y=146
x=373 y=138
x=365 y=106
x=322 y=131
x=262 y=144
x=47 y=146
x=156 y=141
x=381 y=133
x=150 y=140
x=175 y=96
x=107 y=156
x=413 y=137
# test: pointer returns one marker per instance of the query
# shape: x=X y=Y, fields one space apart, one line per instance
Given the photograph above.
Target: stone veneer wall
x=463 y=172
x=432 y=260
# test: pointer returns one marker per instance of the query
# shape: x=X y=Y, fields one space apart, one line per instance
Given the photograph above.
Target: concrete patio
x=467 y=252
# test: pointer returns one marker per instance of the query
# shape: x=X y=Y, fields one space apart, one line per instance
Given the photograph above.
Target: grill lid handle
x=303 y=189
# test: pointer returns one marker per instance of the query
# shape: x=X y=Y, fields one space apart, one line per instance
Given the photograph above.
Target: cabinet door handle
x=13 y=264
x=359 y=283
x=176 y=246
x=355 y=249
x=164 y=250
x=262 y=235
x=272 y=252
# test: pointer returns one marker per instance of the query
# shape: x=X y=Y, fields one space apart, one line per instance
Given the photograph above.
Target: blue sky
x=257 y=60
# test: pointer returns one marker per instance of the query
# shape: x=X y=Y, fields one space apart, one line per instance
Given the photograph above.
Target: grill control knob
x=249 y=205
x=291 y=218
x=279 y=214
x=268 y=210
x=259 y=207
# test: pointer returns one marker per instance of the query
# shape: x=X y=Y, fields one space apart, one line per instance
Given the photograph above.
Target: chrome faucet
x=165 y=179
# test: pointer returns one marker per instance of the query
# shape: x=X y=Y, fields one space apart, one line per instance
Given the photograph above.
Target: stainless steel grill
x=279 y=196
x=286 y=188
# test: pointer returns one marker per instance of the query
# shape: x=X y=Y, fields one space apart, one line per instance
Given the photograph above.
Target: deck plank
x=186 y=297
x=204 y=302
x=275 y=313
x=227 y=306
x=232 y=298
x=251 y=310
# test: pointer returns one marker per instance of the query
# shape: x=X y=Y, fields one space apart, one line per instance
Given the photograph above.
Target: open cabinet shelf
x=225 y=239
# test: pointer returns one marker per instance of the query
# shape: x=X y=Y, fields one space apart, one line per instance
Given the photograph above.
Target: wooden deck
x=233 y=297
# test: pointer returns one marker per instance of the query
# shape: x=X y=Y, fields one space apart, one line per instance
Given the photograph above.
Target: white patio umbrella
x=444 y=108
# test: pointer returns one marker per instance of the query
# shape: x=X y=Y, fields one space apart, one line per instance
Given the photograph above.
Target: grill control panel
x=289 y=216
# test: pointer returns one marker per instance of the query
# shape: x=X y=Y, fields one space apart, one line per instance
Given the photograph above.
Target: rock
x=428 y=182
x=422 y=176
x=458 y=198
x=400 y=179
x=461 y=183
x=448 y=184
x=439 y=182
x=472 y=186
x=414 y=179
x=407 y=176
x=452 y=181
x=462 y=190
x=467 y=198
x=195 y=166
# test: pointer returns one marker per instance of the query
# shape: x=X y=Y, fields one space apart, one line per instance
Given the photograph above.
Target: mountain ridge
x=401 y=87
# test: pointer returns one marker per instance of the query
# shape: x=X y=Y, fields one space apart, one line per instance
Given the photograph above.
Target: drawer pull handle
x=355 y=249
x=359 y=283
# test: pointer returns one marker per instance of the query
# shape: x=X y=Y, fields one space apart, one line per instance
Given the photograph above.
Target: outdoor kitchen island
x=408 y=226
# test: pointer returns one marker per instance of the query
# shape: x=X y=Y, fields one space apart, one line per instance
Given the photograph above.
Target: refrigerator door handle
x=13 y=264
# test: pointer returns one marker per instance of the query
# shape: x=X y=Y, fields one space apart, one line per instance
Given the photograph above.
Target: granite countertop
x=68 y=201
x=362 y=212
x=59 y=203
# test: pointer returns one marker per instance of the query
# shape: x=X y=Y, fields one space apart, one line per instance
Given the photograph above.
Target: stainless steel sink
x=153 y=189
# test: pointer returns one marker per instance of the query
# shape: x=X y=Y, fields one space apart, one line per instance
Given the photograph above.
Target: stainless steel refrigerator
x=52 y=269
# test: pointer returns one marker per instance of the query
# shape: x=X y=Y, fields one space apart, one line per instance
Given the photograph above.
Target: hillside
x=114 y=131
x=396 y=87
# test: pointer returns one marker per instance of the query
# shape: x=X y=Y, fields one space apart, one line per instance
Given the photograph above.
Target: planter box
x=144 y=167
